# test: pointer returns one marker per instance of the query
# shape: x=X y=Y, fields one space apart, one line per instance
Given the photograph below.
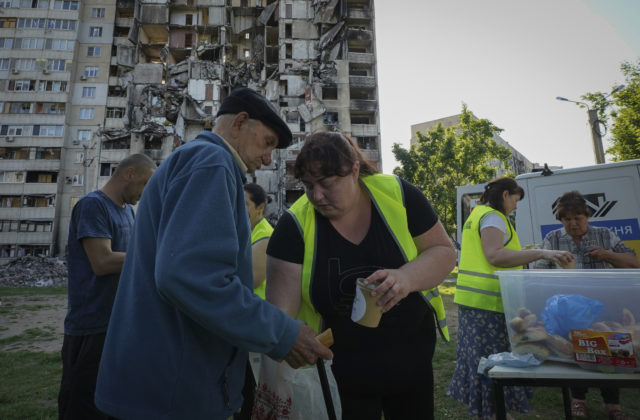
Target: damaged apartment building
x=86 y=83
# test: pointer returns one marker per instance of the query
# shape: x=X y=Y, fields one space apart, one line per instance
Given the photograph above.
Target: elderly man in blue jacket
x=185 y=315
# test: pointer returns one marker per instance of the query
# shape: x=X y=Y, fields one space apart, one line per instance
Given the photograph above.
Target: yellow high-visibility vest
x=477 y=286
x=386 y=194
x=261 y=231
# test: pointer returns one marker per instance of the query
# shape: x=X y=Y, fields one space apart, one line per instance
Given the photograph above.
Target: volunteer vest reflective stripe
x=386 y=194
x=477 y=286
x=262 y=230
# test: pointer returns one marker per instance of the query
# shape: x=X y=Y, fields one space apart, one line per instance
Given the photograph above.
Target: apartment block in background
x=145 y=76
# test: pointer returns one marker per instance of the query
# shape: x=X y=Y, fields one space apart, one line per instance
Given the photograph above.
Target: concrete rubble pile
x=32 y=271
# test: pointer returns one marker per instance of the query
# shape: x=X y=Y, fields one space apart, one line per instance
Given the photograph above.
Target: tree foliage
x=624 y=115
x=444 y=158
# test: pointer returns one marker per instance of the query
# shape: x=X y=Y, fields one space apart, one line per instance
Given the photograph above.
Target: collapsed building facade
x=145 y=76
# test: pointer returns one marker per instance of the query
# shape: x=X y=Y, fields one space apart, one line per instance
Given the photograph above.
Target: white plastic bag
x=284 y=393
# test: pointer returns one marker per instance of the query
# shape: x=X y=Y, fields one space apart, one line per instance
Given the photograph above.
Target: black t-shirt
x=397 y=349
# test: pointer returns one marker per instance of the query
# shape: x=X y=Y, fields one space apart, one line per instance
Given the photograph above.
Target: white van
x=612 y=191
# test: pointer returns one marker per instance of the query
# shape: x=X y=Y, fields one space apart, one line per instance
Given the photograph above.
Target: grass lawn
x=30 y=380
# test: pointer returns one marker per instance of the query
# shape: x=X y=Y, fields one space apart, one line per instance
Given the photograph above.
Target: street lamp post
x=594 y=124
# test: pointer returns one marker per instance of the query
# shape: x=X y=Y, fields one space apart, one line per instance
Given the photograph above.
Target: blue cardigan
x=185 y=315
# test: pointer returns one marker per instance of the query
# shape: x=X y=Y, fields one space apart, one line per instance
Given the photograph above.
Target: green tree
x=444 y=158
x=625 y=115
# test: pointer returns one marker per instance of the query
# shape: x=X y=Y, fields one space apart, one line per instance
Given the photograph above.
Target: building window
x=25 y=64
x=20 y=108
x=288 y=50
x=7 y=22
x=91 y=71
x=20 y=85
x=93 y=51
x=89 y=92
x=49 y=130
x=77 y=180
x=6 y=43
x=34 y=4
x=95 y=31
x=115 y=112
x=29 y=43
x=97 y=12
x=84 y=135
x=86 y=114
x=51 y=108
x=55 y=65
x=247 y=54
x=188 y=19
x=59 y=44
x=4 y=63
x=31 y=23
x=52 y=86
x=65 y=5
x=62 y=24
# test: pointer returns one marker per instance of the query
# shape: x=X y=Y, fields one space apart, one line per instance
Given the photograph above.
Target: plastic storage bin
x=589 y=317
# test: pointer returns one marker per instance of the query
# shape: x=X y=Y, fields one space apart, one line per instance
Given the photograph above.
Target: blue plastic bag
x=564 y=313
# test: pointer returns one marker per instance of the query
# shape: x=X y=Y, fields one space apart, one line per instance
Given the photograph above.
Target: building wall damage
x=166 y=65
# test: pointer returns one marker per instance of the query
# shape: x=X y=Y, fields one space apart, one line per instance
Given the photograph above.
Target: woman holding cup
x=355 y=223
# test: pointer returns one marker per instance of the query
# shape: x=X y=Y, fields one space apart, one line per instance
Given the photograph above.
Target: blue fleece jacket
x=185 y=315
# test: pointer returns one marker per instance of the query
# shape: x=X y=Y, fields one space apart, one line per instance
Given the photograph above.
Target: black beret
x=259 y=108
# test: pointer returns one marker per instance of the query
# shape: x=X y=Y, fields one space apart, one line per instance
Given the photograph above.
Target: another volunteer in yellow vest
x=354 y=222
x=261 y=229
x=489 y=243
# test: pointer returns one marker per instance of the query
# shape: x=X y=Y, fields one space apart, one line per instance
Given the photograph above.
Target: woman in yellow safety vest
x=261 y=229
x=489 y=243
x=355 y=223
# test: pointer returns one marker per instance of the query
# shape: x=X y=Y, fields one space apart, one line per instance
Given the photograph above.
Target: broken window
x=188 y=40
x=288 y=50
x=367 y=143
x=288 y=30
x=115 y=112
x=188 y=19
x=152 y=143
x=330 y=93
x=120 y=144
x=107 y=168
x=330 y=118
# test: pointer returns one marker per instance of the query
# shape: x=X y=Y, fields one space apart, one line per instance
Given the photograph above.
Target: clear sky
x=507 y=60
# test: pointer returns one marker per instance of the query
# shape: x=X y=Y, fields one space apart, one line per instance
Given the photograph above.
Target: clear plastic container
x=602 y=307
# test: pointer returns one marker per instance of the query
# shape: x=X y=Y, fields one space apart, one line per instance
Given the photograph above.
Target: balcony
x=118 y=102
x=372 y=155
x=31 y=165
x=356 y=57
x=362 y=81
x=39 y=188
x=354 y=34
x=30 y=213
x=364 y=130
x=359 y=14
x=363 y=105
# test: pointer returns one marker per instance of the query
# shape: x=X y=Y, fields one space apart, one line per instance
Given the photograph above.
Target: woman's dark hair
x=493 y=191
x=256 y=194
x=572 y=202
x=330 y=154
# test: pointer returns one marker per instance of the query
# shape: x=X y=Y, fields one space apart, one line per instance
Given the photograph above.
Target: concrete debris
x=32 y=271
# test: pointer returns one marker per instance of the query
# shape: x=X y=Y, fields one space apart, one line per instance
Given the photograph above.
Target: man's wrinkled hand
x=307 y=349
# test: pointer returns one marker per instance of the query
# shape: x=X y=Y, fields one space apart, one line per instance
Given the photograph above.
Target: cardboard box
x=589 y=317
